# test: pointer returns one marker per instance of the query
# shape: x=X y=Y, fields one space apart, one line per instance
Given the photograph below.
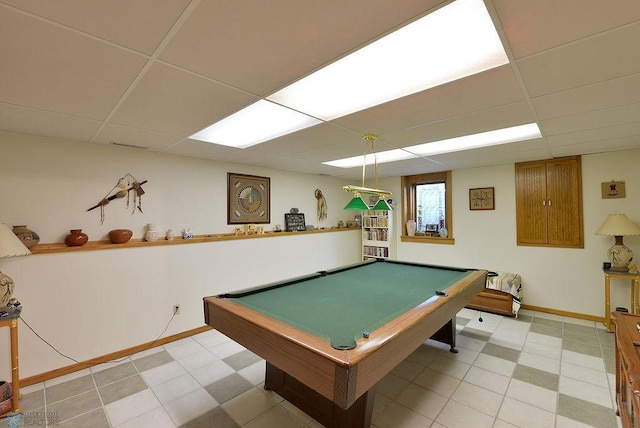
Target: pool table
x=329 y=337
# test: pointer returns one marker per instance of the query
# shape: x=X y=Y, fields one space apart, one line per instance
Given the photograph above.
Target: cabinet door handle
x=544 y=202
x=549 y=202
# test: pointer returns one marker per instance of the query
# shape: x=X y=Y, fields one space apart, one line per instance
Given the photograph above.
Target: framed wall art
x=613 y=190
x=248 y=199
x=482 y=198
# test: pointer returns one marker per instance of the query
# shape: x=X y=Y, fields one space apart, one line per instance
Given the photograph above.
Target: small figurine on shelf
x=633 y=267
x=187 y=233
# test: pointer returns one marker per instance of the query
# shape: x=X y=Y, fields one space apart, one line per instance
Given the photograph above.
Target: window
x=426 y=198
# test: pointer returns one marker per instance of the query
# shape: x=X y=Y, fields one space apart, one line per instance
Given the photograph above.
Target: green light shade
x=382 y=205
x=357 y=203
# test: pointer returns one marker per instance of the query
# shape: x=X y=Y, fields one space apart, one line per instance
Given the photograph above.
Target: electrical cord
x=151 y=345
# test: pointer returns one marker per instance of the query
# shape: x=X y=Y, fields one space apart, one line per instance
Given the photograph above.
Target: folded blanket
x=507 y=283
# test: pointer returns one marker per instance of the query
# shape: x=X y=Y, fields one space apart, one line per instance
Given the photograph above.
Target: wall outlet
x=176 y=309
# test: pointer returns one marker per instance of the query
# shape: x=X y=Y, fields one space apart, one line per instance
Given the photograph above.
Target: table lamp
x=10 y=246
x=619 y=225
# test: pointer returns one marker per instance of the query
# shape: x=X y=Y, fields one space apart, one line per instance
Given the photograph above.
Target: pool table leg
x=323 y=410
x=447 y=334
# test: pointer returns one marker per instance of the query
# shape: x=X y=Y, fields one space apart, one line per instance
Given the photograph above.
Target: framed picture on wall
x=613 y=190
x=248 y=199
x=482 y=198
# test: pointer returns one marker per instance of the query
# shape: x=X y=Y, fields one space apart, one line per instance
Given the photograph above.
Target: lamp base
x=6 y=288
x=619 y=269
x=620 y=256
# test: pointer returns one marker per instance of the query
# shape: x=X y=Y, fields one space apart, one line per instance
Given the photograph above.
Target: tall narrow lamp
x=619 y=225
x=10 y=246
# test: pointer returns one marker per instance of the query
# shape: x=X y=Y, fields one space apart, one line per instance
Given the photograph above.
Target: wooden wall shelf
x=61 y=247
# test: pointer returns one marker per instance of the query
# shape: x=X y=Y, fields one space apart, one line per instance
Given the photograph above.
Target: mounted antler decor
x=123 y=188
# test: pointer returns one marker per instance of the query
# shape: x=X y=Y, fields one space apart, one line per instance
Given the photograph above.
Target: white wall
x=562 y=279
x=92 y=303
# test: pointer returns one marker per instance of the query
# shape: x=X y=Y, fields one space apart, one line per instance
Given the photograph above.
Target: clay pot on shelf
x=28 y=237
x=120 y=236
x=76 y=238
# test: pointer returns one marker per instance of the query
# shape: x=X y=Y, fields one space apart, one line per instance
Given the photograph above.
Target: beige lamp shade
x=619 y=225
x=10 y=246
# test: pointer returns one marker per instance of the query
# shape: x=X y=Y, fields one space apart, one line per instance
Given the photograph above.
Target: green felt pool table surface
x=342 y=304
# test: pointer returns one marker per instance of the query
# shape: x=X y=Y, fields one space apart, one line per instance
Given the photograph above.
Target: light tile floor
x=539 y=370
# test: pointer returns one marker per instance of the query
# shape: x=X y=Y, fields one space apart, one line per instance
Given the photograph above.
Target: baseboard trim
x=138 y=348
x=31 y=380
x=564 y=313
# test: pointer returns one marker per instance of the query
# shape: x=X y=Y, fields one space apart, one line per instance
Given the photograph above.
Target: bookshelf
x=376 y=234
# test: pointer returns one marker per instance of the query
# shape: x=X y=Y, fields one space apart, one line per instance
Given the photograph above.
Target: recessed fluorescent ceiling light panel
x=260 y=122
x=456 y=41
x=466 y=142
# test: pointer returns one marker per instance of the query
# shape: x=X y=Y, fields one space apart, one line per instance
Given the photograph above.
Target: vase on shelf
x=28 y=237
x=169 y=236
x=76 y=238
x=411 y=228
x=151 y=234
x=120 y=236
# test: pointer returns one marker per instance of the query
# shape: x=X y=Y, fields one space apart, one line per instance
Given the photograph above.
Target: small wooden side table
x=633 y=277
x=11 y=321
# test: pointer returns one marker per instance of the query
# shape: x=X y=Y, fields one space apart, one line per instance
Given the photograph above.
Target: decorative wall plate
x=248 y=199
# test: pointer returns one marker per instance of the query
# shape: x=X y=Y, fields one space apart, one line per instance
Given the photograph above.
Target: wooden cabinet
x=627 y=369
x=549 y=203
x=375 y=234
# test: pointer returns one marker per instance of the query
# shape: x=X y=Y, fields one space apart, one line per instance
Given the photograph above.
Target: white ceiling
x=152 y=72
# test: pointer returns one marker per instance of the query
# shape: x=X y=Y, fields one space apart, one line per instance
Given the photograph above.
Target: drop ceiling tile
x=409 y=167
x=534 y=26
x=262 y=46
x=584 y=62
x=496 y=155
x=588 y=147
x=598 y=134
x=501 y=117
x=38 y=122
x=356 y=147
x=591 y=120
x=50 y=68
x=598 y=96
x=176 y=102
x=308 y=139
x=200 y=149
x=139 y=24
x=154 y=141
x=479 y=92
x=307 y=167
